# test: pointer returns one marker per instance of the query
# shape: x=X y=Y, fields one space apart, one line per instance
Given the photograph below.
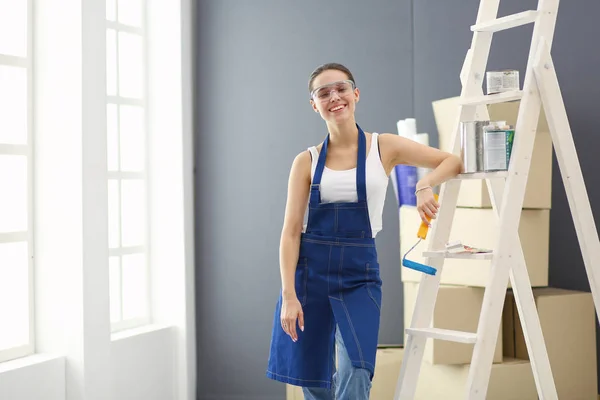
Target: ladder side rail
x=425 y=301
x=510 y=214
x=530 y=322
x=566 y=155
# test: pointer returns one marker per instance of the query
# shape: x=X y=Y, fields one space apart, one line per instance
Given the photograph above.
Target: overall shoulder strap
x=315 y=192
x=361 y=180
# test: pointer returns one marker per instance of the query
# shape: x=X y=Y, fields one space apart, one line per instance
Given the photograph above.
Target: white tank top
x=340 y=186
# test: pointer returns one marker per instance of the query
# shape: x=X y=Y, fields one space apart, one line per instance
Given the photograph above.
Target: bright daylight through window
x=16 y=249
x=127 y=169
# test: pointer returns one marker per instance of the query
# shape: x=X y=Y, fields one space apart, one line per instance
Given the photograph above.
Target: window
x=126 y=107
x=16 y=247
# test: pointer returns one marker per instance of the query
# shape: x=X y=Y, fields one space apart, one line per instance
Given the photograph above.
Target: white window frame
x=24 y=150
x=124 y=324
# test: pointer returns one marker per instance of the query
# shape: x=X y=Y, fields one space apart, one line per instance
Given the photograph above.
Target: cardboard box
x=456 y=308
x=569 y=327
x=387 y=370
x=508 y=325
x=474 y=193
x=293 y=392
x=509 y=380
x=477 y=227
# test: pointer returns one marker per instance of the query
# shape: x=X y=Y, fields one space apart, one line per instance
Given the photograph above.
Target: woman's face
x=334 y=96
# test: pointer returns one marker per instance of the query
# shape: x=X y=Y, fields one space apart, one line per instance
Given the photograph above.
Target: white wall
x=39 y=377
x=77 y=357
x=171 y=185
x=142 y=366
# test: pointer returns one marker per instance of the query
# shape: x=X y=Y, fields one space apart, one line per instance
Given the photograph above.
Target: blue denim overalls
x=337 y=282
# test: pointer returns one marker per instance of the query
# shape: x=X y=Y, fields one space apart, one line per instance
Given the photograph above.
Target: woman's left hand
x=427 y=205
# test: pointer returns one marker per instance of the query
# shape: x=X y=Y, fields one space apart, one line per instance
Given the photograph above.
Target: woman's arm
x=297 y=198
x=444 y=166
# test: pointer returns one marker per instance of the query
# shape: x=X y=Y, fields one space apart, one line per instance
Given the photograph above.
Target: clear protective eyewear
x=323 y=93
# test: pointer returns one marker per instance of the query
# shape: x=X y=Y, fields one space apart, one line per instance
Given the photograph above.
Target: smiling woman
x=331 y=286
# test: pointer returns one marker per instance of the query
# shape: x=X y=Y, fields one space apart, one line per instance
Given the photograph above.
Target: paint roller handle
x=424 y=228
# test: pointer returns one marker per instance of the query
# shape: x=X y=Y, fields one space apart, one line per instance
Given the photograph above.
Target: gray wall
x=253 y=59
x=253 y=117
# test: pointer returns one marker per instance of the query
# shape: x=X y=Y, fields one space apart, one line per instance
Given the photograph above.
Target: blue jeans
x=349 y=382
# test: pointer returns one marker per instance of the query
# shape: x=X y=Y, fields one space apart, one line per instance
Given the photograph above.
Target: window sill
x=28 y=361
x=142 y=330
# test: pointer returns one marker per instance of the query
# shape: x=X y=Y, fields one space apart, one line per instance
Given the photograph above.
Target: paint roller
x=421 y=234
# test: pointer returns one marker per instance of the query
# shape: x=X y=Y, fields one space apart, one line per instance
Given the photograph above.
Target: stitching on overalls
x=346 y=309
x=367 y=284
x=340 y=274
x=366 y=362
x=297 y=379
x=331 y=366
x=305 y=281
x=372 y=297
x=328 y=268
x=341 y=244
x=354 y=334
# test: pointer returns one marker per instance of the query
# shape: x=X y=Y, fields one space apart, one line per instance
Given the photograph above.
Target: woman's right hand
x=291 y=311
x=427 y=205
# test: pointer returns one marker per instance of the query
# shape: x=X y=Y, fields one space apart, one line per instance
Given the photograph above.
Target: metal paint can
x=471 y=145
x=502 y=81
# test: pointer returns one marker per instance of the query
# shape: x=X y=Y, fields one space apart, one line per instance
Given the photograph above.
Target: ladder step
x=464 y=256
x=483 y=175
x=510 y=21
x=443 y=334
x=492 y=98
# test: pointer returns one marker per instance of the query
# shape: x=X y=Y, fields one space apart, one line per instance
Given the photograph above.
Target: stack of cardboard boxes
x=567 y=317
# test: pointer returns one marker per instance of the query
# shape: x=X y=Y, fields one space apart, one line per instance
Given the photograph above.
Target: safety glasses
x=324 y=93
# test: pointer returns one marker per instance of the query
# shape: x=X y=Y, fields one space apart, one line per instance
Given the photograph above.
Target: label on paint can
x=494 y=143
x=502 y=81
x=497 y=148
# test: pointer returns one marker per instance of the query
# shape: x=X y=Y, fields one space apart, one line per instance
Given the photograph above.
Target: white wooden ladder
x=507 y=191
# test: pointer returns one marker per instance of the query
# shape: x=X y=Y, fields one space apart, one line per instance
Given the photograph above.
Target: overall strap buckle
x=315 y=193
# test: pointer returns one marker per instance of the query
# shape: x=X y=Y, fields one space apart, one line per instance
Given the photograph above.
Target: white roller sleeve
x=411 y=128
x=401 y=125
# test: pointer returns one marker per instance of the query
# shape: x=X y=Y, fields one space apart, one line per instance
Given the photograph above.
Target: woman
x=331 y=288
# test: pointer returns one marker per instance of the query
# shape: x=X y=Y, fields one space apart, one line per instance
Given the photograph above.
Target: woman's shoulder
x=385 y=137
x=391 y=141
x=301 y=166
x=302 y=160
